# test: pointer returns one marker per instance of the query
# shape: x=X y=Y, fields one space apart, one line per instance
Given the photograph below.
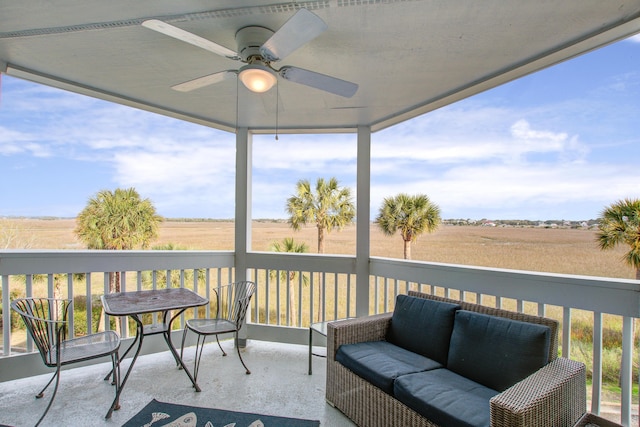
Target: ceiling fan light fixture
x=257 y=77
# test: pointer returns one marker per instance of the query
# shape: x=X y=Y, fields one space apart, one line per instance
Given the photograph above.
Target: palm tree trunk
x=637 y=273
x=407 y=249
x=320 y=240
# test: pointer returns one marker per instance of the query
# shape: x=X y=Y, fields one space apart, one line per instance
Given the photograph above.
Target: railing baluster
x=348 y=313
x=626 y=370
x=336 y=296
x=181 y=278
x=566 y=332
x=596 y=386
x=154 y=286
x=50 y=286
x=89 y=302
x=278 y=297
x=542 y=308
x=255 y=301
x=72 y=331
x=311 y=297
x=323 y=318
x=106 y=290
x=267 y=310
x=386 y=295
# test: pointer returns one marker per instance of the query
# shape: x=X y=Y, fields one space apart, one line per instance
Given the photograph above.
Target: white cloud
x=14 y=142
x=635 y=39
x=191 y=176
x=490 y=188
x=522 y=130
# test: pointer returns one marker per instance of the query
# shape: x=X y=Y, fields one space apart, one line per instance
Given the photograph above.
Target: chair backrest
x=233 y=301
x=46 y=321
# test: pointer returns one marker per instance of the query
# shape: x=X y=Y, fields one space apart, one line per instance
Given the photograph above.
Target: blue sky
x=562 y=143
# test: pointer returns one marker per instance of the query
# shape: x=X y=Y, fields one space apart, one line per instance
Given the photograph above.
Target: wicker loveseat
x=440 y=362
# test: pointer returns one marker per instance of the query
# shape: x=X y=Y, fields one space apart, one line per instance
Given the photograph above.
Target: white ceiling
x=408 y=57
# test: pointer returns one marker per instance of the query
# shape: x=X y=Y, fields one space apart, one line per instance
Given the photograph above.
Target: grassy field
x=570 y=251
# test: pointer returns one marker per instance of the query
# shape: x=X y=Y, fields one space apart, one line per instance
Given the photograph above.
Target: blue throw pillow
x=495 y=351
x=422 y=326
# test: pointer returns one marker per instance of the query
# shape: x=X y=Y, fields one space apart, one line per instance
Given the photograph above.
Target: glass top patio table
x=136 y=303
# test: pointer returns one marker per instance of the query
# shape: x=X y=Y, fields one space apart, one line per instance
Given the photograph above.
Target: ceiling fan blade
x=319 y=81
x=185 y=36
x=301 y=28
x=204 y=81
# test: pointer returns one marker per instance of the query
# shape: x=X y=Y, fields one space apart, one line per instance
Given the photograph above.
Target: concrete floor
x=278 y=385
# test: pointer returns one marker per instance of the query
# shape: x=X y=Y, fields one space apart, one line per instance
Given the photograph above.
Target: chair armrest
x=555 y=395
x=361 y=329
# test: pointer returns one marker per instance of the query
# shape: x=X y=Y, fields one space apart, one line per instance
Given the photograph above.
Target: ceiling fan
x=259 y=48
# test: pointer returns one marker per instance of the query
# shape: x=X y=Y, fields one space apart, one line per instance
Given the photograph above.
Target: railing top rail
x=302 y=262
x=87 y=261
x=599 y=294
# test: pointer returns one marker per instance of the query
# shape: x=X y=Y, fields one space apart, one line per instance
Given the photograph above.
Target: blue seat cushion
x=380 y=362
x=445 y=398
x=422 y=326
x=495 y=351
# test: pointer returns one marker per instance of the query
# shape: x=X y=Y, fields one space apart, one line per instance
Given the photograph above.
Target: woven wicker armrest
x=553 y=396
x=361 y=329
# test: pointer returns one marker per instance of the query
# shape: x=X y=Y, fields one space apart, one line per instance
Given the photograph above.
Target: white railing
x=296 y=289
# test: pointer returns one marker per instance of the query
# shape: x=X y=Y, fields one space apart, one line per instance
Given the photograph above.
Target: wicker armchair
x=553 y=396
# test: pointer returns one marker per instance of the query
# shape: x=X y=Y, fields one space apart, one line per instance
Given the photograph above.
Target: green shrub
x=611 y=359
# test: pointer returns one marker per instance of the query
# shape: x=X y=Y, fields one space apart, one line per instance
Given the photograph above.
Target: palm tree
x=620 y=223
x=328 y=207
x=289 y=245
x=117 y=220
x=411 y=215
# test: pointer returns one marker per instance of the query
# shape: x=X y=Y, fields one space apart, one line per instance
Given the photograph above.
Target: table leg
x=139 y=336
x=167 y=337
x=125 y=353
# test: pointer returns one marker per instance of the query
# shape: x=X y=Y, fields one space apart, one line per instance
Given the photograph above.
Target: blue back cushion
x=422 y=326
x=496 y=352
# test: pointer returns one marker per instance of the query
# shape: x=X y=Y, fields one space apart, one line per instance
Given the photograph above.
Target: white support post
x=363 y=219
x=244 y=150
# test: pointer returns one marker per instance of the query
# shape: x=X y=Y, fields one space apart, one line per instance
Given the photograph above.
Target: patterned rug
x=160 y=414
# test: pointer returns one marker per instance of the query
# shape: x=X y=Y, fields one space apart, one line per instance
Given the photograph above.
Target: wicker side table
x=592 y=420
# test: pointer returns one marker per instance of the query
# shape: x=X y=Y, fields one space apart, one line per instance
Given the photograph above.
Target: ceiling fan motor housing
x=249 y=40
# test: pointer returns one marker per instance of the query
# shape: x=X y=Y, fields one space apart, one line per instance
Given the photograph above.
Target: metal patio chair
x=231 y=305
x=47 y=322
